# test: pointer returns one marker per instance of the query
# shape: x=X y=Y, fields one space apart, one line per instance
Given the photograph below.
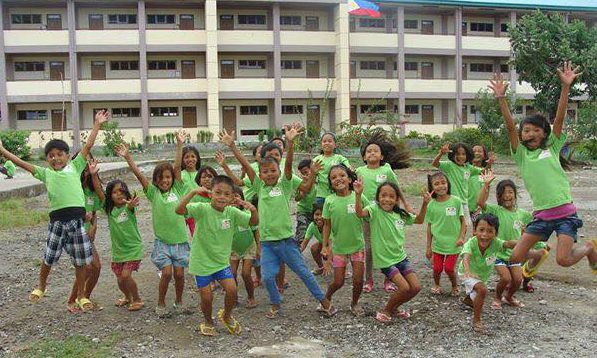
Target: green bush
x=469 y=136
x=433 y=141
x=586 y=150
x=204 y=136
x=112 y=137
x=16 y=143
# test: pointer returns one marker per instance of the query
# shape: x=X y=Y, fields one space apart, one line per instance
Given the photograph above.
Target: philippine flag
x=364 y=8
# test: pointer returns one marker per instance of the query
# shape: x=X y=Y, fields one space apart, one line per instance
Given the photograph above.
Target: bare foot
x=480 y=328
x=512 y=302
x=496 y=304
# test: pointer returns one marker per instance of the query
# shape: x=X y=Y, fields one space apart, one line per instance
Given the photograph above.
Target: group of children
x=356 y=217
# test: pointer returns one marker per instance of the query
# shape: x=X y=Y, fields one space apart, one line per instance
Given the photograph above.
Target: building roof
x=567 y=5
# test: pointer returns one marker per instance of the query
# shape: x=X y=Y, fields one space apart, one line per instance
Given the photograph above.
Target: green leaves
x=16 y=143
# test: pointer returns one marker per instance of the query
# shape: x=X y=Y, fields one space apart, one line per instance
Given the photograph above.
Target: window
x=292 y=109
x=504 y=68
x=126 y=112
x=124 y=65
x=253 y=110
x=36 y=115
x=481 y=26
x=251 y=64
x=411 y=109
x=122 y=19
x=518 y=110
x=411 y=24
x=292 y=64
x=372 y=23
x=473 y=109
x=251 y=131
x=163 y=112
x=481 y=67
x=369 y=108
x=29 y=66
x=373 y=65
x=504 y=27
x=161 y=19
x=290 y=20
x=161 y=65
x=251 y=19
x=411 y=66
x=26 y=19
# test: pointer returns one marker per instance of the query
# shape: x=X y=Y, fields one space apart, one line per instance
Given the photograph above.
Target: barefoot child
x=342 y=227
x=536 y=151
x=327 y=159
x=275 y=227
x=478 y=258
x=315 y=230
x=127 y=246
x=67 y=209
x=387 y=220
x=170 y=248
x=446 y=228
x=217 y=222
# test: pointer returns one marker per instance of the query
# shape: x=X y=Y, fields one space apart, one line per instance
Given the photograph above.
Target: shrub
x=469 y=136
x=112 y=137
x=16 y=143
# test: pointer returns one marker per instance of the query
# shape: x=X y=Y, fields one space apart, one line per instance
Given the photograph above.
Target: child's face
x=258 y=153
x=222 y=195
x=318 y=218
x=279 y=143
x=118 y=196
x=478 y=153
x=274 y=153
x=305 y=172
x=484 y=233
x=166 y=180
x=460 y=157
x=190 y=161
x=440 y=185
x=532 y=136
x=387 y=198
x=373 y=154
x=205 y=179
x=57 y=159
x=328 y=144
x=508 y=199
x=269 y=173
x=340 y=180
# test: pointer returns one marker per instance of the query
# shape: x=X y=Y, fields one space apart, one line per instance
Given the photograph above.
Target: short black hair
x=536 y=120
x=269 y=147
x=317 y=206
x=222 y=179
x=56 y=144
x=501 y=187
x=202 y=170
x=268 y=160
x=351 y=175
x=454 y=149
x=436 y=174
x=280 y=139
x=490 y=219
x=305 y=163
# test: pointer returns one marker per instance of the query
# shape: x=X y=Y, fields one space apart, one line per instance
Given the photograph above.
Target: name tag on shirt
x=242 y=229
x=517 y=224
x=171 y=197
x=490 y=260
x=451 y=211
x=350 y=208
x=226 y=224
x=122 y=217
x=467 y=175
x=545 y=154
x=275 y=192
x=90 y=201
x=381 y=178
x=399 y=224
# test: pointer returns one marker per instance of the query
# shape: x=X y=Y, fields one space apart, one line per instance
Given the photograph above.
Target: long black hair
x=391 y=155
x=204 y=169
x=436 y=174
x=397 y=209
x=540 y=121
x=454 y=149
x=110 y=188
x=501 y=187
x=351 y=175
x=190 y=149
x=484 y=160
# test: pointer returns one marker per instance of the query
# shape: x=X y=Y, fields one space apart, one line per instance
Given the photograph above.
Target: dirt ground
x=559 y=318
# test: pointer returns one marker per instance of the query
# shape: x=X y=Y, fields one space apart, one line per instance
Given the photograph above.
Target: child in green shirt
x=7 y=168
x=327 y=159
x=478 y=259
x=481 y=160
x=305 y=201
x=190 y=165
x=315 y=230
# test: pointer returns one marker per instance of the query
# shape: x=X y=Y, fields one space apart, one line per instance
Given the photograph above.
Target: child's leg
x=358 y=272
x=438 y=267
x=516 y=272
x=234 y=261
x=230 y=297
x=81 y=273
x=505 y=281
x=163 y=286
x=130 y=285
x=478 y=301
x=206 y=304
x=337 y=282
x=316 y=253
x=270 y=263
x=246 y=273
x=294 y=259
x=568 y=254
x=94 y=273
x=178 y=284
x=449 y=268
x=407 y=285
x=523 y=246
x=281 y=277
x=369 y=255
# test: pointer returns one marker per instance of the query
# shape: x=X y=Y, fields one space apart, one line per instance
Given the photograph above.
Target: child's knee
x=179 y=275
x=564 y=261
x=415 y=289
x=246 y=275
x=125 y=275
x=450 y=271
x=339 y=282
x=481 y=290
x=167 y=274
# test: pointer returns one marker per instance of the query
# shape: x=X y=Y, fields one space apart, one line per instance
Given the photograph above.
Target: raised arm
x=97 y=185
x=488 y=177
x=178 y=157
x=499 y=87
x=567 y=76
x=228 y=140
x=181 y=209
x=445 y=149
x=306 y=185
x=254 y=215
x=18 y=161
x=101 y=117
x=123 y=152
x=426 y=199
x=291 y=133
x=221 y=160
x=490 y=160
x=358 y=193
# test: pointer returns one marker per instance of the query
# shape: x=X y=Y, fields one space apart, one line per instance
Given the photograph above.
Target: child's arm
x=499 y=87
x=97 y=185
x=358 y=205
x=228 y=140
x=445 y=149
x=488 y=177
x=291 y=132
x=304 y=244
x=326 y=250
x=306 y=185
x=18 y=161
x=567 y=76
x=461 y=236
x=421 y=215
x=428 y=252
x=510 y=244
x=466 y=263
x=248 y=206
x=101 y=117
x=178 y=157
x=221 y=160
x=123 y=152
x=133 y=203
x=489 y=162
x=181 y=209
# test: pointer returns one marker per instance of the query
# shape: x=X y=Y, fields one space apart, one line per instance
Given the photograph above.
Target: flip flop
x=513 y=302
x=251 y=305
x=480 y=328
x=234 y=327
x=455 y=292
x=136 y=306
x=331 y=312
x=36 y=295
x=368 y=287
x=531 y=272
x=273 y=313
x=383 y=317
x=357 y=310
x=402 y=314
x=73 y=307
x=496 y=305
x=121 y=302
x=85 y=304
x=206 y=330
x=436 y=290
x=527 y=285
x=389 y=287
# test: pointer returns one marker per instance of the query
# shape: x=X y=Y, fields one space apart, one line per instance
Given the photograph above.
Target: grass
x=72 y=347
x=413 y=189
x=14 y=214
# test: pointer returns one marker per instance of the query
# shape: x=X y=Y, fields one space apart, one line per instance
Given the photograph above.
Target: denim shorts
x=164 y=254
x=223 y=274
x=566 y=226
x=403 y=267
x=500 y=262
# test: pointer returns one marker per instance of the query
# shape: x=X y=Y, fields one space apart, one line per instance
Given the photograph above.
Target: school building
x=252 y=65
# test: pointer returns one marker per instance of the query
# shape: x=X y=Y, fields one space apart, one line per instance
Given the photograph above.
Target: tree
x=541 y=43
x=491 y=124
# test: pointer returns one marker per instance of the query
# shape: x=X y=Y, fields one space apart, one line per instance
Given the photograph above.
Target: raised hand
x=180 y=137
x=358 y=186
x=498 y=85
x=133 y=202
x=245 y=204
x=201 y=191
x=316 y=167
x=220 y=158
x=445 y=149
x=427 y=196
x=567 y=74
x=227 y=138
x=291 y=132
x=460 y=242
x=93 y=166
x=491 y=158
x=487 y=176
x=102 y=117
x=121 y=150
x=327 y=266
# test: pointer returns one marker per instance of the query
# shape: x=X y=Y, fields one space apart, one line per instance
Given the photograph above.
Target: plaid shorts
x=70 y=236
x=164 y=254
x=302 y=222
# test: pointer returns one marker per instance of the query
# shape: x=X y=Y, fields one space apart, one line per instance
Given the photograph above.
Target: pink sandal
x=389 y=287
x=383 y=317
x=403 y=314
x=368 y=287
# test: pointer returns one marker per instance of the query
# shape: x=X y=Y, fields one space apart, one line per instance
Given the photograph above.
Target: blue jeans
x=566 y=226
x=274 y=253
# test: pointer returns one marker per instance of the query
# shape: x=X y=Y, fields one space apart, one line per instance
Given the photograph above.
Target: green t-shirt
x=373 y=178
x=543 y=175
x=168 y=226
x=458 y=176
x=511 y=224
x=274 y=209
x=313 y=232
x=481 y=265
x=64 y=186
x=346 y=232
x=124 y=235
x=249 y=191
x=10 y=168
x=212 y=244
x=322 y=186
x=92 y=204
x=475 y=184
x=188 y=179
x=244 y=238
x=444 y=218
x=387 y=236
x=305 y=205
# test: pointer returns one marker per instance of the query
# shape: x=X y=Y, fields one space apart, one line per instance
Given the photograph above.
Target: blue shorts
x=164 y=254
x=319 y=200
x=566 y=226
x=500 y=262
x=403 y=267
x=203 y=281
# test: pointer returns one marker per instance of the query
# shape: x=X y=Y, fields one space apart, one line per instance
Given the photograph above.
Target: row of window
x=414 y=24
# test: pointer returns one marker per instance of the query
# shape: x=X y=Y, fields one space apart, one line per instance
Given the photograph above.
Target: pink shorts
x=118 y=267
x=342 y=260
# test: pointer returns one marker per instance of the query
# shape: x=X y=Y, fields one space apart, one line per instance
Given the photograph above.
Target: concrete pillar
x=445 y=111
x=73 y=72
x=4 y=111
x=496 y=26
x=143 y=68
x=342 y=63
x=212 y=66
x=458 y=66
x=390 y=66
x=400 y=67
x=277 y=117
x=513 y=74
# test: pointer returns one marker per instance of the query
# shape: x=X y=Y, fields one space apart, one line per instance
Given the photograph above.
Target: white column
x=143 y=69
x=4 y=111
x=458 y=66
x=74 y=74
x=212 y=66
x=512 y=70
x=342 y=64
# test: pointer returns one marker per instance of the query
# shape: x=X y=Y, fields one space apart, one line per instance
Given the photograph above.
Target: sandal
x=234 y=327
x=251 y=304
x=527 y=285
x=135 y=306
x=318 y=271
x=330 y=312
x=73 y=307
x=85 y=304
x=207 y=330
x=121 y=302
x=530 y=272
x=389 y=287
x=368 y=287
x=402 y=314
x=273 y=313
x=466 y=300
x=496 y=304
x=162 y=312
x=36 y=295
x=383 y=317
x=455 y=292
x=357 y=310
x=480 y=328
x=320 y=308
x=513 y=302
x=436 y=290
x=97 y=306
